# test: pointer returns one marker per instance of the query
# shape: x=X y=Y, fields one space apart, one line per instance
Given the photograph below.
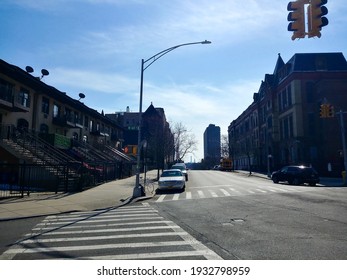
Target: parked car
x=172 y=179
x=182 y=167
x=296 y=175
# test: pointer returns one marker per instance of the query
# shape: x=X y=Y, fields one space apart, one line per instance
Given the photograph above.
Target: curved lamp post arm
x=164 y=52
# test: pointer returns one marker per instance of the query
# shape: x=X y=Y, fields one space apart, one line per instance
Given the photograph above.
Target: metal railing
x=44 y=168
x=22 y=179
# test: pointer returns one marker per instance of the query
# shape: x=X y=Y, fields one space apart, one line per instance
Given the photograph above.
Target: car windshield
x=171 y=173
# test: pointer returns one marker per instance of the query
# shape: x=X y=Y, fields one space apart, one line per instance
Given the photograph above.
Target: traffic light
x=331 y=112
x=316 y=17
x=297 y=18
x=326 y=111
x=323 y=111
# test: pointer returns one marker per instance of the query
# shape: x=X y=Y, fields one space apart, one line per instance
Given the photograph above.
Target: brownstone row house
x=283 y=125
x=158 y=144
x=43 y=126
x=160 y=140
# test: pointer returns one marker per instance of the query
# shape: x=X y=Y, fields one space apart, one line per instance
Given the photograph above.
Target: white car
x=172 y=179
x=182 y=167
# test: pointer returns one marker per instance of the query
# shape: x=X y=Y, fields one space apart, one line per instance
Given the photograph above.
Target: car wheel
x=297 y=181
x=275 y=180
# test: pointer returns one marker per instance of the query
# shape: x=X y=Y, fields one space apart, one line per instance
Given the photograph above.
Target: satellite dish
x=81 y=95
x=29 y=69
x=44 y=72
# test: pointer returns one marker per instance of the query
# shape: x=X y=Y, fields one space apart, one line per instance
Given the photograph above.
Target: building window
x=86 y=121
x=311 y=123
x=286 y=128
x=285 y=99
x=45 y=105
x=269 y=122
x=309 y=92
x=22 y=125
x=289 y=96
x=91 y=125
x=24 y=97
x=6 y=91
x=44 y=128
x=56 y=111
x=75 y=136
x=78 y=120
x=68 y=115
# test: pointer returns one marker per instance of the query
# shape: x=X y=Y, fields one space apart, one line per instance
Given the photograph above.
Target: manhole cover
x=234 y=221
x=237 y=220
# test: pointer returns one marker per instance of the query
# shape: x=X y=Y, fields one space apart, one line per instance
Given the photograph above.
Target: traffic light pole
x=342 y=125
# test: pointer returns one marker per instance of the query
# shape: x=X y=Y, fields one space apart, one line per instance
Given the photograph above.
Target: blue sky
x=96 y=47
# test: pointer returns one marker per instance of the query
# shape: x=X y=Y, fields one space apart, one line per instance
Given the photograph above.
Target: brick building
x=283 y=126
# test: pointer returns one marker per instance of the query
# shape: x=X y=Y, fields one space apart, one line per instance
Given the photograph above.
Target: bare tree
x=184 y=141
x=225 y=146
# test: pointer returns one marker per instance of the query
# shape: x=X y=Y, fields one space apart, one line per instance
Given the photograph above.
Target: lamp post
x=138 y=190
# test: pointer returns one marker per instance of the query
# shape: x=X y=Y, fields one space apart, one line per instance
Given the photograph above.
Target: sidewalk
x=111 y=194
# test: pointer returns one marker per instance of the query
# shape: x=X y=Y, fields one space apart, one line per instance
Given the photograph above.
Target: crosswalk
x=220 y=191
x=129 y=232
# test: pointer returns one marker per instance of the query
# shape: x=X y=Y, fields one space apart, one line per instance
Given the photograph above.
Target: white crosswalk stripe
x=129 y=232
x=227 y=191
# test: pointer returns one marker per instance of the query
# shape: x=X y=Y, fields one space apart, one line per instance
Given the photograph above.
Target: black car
x=296 y=175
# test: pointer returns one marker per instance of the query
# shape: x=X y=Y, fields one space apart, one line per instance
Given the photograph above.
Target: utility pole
x=342 y=125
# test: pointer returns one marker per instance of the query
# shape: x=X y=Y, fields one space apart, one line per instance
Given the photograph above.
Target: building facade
x=58 y=136
x=28 y=103
x=159 y=149
x=212 y=145
x=130 y=122
x=283 y=125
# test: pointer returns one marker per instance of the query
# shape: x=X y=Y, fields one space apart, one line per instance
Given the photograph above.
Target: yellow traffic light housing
x=296 y=17
x=326 y=111
x=331 y=111
x=316 y=17
x=323 y=111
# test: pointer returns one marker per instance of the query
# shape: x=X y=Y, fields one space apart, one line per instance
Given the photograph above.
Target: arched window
x=44 y=128
x=22 y=125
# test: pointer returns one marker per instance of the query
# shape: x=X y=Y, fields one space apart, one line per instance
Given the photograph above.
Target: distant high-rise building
x=212 y=145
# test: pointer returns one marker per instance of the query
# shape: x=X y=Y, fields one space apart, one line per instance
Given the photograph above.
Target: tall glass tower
x=212 y=145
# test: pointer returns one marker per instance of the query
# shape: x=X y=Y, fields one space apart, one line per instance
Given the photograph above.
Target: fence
x=23 y=179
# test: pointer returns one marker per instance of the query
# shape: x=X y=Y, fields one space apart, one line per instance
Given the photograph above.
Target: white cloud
x=93 y=81
x=48 y=5
x=180 y=21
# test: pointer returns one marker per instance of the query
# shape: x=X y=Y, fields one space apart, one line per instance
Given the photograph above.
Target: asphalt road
x=13 y=230
x=251 y=218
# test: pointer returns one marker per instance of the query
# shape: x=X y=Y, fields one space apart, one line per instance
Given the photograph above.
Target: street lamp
x=138 y=191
